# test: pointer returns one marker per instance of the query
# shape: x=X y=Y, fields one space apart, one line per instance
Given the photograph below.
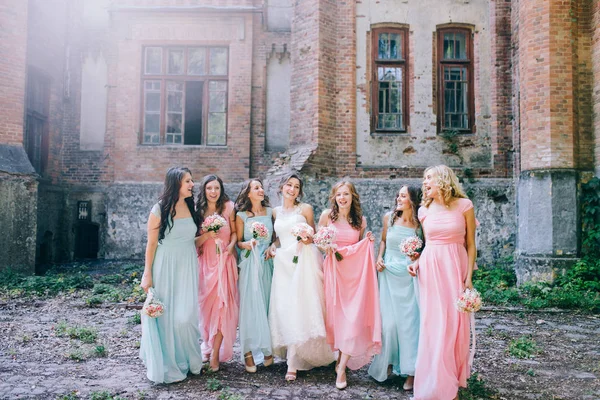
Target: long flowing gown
x=399 y=310
x=170 y=345
x=256 y=275
x=297 y=310
x=442 y=362
x=218 y=292
x=353 y=320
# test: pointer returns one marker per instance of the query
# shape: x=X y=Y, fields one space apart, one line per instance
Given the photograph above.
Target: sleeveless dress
x=218 y=292
x=442 y=362
x=297 y=310
x=399 y=310
x=170 y=344
x=353 y=320
x=256 y=275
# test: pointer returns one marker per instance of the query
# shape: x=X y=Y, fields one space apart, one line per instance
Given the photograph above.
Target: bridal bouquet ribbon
x=325 y=239
x=153 y=307
x=470 y=302
x=259 y=231
x=411 y=246
x=213 y=223
x=302 y=231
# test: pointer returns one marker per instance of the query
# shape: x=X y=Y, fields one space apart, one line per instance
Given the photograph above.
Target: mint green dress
x=255 y=278
x=399 y=310
x=170 y=345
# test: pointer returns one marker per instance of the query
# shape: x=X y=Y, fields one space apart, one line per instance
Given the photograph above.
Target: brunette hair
x=355 y=215
x=243 y=203
x=202 y=202
x=170 y=196
x=414 y=193
x=447 y=182
x=286 y=178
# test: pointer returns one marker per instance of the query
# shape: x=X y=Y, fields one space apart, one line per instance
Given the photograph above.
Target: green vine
x=590 y=218
x=451 y=138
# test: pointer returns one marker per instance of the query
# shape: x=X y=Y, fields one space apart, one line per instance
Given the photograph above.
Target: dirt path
x=38 y=360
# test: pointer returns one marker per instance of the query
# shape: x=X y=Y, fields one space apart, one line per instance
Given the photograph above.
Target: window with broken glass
x=389 y=112
x=184 y=95
x=455 y=77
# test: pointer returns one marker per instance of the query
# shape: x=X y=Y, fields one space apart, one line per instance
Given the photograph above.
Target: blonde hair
x=447 y=182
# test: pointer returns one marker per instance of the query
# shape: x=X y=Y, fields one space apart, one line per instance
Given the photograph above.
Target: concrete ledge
x=541 y=268
x=14 y=160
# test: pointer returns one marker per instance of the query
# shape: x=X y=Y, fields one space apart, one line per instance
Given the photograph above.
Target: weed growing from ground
x=135 y=319
x=522 y=347
x=100 y=351
x=213 y=384
x=476 y=389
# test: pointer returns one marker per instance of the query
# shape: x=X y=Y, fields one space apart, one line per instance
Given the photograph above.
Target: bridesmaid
x=256 y=273
x=399 y=306
x=445 y=270
x=217 y=291
x=353 y=320
x=170 y=345
x=297 y=310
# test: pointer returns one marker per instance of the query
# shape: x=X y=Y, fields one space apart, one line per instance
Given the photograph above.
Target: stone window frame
x=444 y=63
x=184 y=77
x=403 y=63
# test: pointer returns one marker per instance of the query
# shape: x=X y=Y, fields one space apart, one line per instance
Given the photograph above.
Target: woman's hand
x=413 y=268
x=307 y=239
x=468 y=283
x=146 y=283
x=247 y=245
x=211 y=235
x=231 y=248
x=370 y=236
x=380 y=265
x=415 y=257
x=270 y=252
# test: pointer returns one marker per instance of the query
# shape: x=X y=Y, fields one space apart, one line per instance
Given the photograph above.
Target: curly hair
x=414 y=193
x=355 y=215
x=447 y=182
x=286 y=178
x=243 y=203
x=170 y=196
x=202 y=202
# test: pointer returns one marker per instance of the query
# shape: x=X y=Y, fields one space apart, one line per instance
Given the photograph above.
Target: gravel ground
x=38 y=361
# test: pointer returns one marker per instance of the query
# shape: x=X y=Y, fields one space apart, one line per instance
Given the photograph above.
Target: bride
x=297 y=307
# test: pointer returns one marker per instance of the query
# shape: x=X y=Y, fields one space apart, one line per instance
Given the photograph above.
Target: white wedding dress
x=297 y=307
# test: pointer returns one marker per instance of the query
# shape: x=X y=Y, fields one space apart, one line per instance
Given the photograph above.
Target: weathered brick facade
x=536 y=74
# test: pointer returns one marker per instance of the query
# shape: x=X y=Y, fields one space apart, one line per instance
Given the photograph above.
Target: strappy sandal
x=290 y=376
x=249 y=368
x=268 y=361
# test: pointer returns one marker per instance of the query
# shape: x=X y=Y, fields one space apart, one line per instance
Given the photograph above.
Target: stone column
x=547 y=198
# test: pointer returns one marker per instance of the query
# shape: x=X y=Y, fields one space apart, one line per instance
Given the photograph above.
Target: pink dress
x=218 y=292
x=443 y=357
x=352 y=321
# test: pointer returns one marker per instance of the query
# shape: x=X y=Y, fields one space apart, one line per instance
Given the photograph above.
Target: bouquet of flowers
x=325 y=239
x=301 y=231
x=153 y=307
x=212 y=224
x=411 y=246
x=259 y=231
x=469 y=301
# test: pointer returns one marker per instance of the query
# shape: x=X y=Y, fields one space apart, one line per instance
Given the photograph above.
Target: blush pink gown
x=218 y=292
x=443 y=357
x=353 y=320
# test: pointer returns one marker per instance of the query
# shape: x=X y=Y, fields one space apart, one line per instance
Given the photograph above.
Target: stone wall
x=128 y=207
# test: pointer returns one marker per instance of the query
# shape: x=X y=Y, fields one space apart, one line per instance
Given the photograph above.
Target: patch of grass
x=94 y=301
x=477 y=389
x=213 y=384
x=523 y=347
x=26 y=339
x=76 y=355
x=135 y=319
x=104 y=395
x=137 y=344
x=86 y=335
x=530 y=372
x=227 y=395
x=14 y=284
x=61 y=328
x=124 y=332
x=69 y=396
x=100 y=351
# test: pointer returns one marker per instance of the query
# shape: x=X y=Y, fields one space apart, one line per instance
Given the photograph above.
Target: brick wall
x=13 y=47
x=595 y=56
x=130 y=161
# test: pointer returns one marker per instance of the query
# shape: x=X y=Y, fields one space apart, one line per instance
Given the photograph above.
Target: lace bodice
x=284 y=223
